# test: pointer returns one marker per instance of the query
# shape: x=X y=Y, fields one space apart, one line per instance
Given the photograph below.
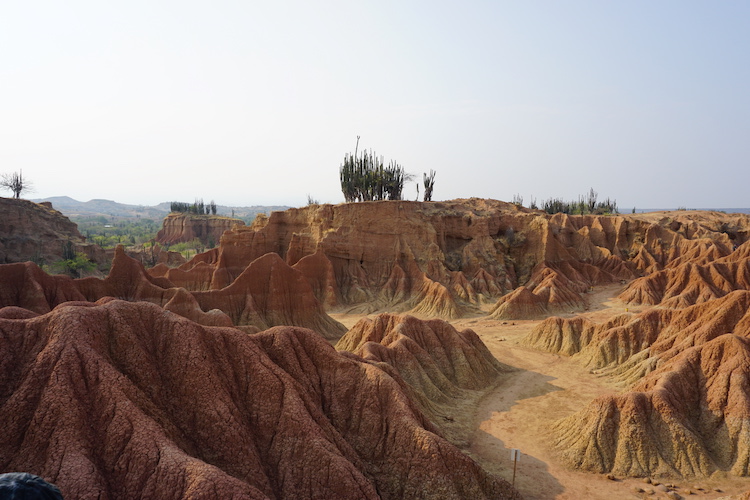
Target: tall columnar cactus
x=429 y=183
x=364 y=177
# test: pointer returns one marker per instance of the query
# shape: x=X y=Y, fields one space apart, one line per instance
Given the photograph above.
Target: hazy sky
x=250 y=103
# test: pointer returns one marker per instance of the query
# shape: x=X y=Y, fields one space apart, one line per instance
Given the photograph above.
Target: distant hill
x=108 y=208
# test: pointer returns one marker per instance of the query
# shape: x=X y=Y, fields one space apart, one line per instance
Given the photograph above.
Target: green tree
x=74 y=266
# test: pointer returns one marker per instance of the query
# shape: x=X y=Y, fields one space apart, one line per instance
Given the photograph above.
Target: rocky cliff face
x=177 y=228
x=39 y=233
x=446 y=258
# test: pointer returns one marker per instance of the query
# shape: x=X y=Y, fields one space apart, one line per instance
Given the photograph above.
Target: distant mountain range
x=108 y=208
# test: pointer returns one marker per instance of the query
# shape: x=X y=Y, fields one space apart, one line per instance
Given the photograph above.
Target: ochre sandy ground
x=543 y=388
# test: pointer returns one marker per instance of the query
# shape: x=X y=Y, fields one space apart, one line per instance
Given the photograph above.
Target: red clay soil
x=125 y=400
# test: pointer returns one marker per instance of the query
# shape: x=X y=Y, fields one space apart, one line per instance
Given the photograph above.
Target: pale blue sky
x=252 y=103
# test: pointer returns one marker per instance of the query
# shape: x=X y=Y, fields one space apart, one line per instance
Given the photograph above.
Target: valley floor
x=544 y=388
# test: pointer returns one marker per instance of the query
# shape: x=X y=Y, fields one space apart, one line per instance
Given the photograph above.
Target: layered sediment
x=446 y=259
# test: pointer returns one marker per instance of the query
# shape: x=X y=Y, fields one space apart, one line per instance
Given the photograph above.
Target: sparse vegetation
x=16 y=183
x=586 y=204
x=189 y=249
x=365 y=177
x=72 y=262
x=74 y=266
x=109 y=232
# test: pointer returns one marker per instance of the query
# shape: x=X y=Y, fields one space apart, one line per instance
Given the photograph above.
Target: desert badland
x=386 y=349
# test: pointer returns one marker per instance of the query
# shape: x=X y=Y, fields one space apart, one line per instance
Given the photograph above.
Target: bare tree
x=16 y=183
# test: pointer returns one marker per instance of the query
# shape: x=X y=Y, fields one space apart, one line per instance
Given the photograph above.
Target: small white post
x=515 y=455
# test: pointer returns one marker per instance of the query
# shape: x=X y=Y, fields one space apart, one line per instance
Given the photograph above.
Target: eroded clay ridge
x=445 y=258
x=440 y=366
x=630 y=346
x=687 y=281
x=689 y=417
x=181 y=227
x=440 y=358
x=38 y=232
x=124 y=400
x=688 y=409
x=267 y=293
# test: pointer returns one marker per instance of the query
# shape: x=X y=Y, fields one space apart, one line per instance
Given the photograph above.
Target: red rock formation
x=123 y=400
x=558 y=292
x=432 y=299
x=485 y=285
x=127 y=280
x=558 y=287
x=158 y=271
x=318 y=271
x=689 y=417
x=421 y=255
x=441 y=368
x=153 y=257
x=373 y=259
x=39 y=233
x=693 y=281
x=519 y=304
x=169 y=258
x=181 y=227
x=621 y=342
x=270 y=293
x=194 y=277
x=689 y=410
x=631 y=346
x=447 y=258
x=13 y=312
x=183 y=303
x=25 y=285
x=432 y=356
